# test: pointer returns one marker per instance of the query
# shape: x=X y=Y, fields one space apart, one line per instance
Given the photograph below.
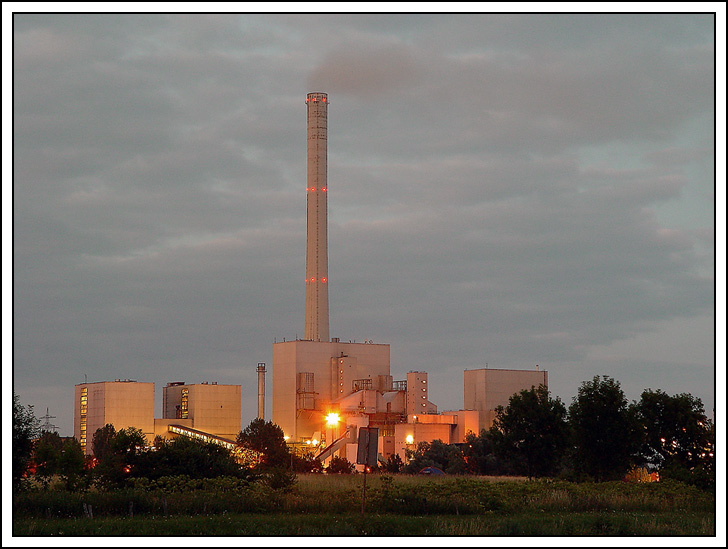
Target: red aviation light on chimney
x=324 y=280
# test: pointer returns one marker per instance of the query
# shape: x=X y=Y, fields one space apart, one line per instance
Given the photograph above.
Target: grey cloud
x=509 y=189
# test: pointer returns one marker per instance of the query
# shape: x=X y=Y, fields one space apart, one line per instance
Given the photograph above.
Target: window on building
x=185 y=403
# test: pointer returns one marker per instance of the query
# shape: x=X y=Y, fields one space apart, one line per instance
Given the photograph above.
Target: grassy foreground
x=321 y=505
x=523 y=524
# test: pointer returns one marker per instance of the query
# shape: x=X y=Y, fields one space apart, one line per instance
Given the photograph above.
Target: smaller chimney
x=261 y=390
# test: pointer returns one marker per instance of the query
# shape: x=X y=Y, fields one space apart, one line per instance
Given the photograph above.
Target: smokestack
x=317 y=255
x=261 y=390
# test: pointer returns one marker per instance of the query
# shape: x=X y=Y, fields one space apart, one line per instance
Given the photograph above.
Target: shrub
x=340 y=465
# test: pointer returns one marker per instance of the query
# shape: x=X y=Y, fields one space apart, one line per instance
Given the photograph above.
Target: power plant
x=324 y=389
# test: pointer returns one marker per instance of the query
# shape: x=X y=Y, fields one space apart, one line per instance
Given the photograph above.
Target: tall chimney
x=317 y=256
x=261 y=390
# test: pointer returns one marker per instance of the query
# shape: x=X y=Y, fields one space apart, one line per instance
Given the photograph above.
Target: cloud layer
x=504 y=189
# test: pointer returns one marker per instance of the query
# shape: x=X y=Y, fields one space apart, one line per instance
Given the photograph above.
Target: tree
x=25 y=430
x=533 y=430
x=118 y=453
x=101 y=441
x=72 y=465
x=265 y=438
x=47 y=455
x=676 y=428
x=187 y=456
x=394 y=464
x=340 y=466
x=605 y=428
x=129 y=443
x=677 y=434
x=306 y=462
x=447 y=457
x=480 y=457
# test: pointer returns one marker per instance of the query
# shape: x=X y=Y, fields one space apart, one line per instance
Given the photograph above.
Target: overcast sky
x=510 y=190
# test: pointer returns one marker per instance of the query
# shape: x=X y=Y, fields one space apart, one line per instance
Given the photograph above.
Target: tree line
x=601 y=436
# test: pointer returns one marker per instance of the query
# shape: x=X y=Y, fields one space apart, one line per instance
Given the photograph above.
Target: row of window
x=83 y=405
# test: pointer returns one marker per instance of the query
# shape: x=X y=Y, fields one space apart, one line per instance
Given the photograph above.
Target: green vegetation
x=532 y=430
x=25 y=429
x=678 y=437
x=605 y=430
x=190 y=487
x=340 y=466
x=546 y=524
x=446 y=457
x=265 y=439
x=395 y=505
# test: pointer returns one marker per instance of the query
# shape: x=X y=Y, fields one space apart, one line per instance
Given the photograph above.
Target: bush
x=306 y=463
x=279 y=478
x=340 y=465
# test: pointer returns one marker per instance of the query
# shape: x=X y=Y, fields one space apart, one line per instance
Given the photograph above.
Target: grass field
x=322 y=505
x=606 y=523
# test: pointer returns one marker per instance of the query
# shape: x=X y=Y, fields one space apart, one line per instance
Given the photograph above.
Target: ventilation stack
x=261 y=390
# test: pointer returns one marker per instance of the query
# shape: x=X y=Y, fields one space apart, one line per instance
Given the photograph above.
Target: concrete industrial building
x=123 y=403
x=208 y=409
x=325 y=389
x=486 y=389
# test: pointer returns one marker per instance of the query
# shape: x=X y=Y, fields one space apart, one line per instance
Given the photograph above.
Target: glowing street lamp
x=408 y=440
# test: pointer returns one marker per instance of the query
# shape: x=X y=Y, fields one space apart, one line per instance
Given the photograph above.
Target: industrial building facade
x=209 y=408
x=122 y=403
x=486 y=389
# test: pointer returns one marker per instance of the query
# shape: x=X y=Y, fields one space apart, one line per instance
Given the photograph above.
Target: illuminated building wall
x=417 y=393
x=210 y=407
x=408 y=435
x=207 y=407
x=310 y=376
x=122 y=403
